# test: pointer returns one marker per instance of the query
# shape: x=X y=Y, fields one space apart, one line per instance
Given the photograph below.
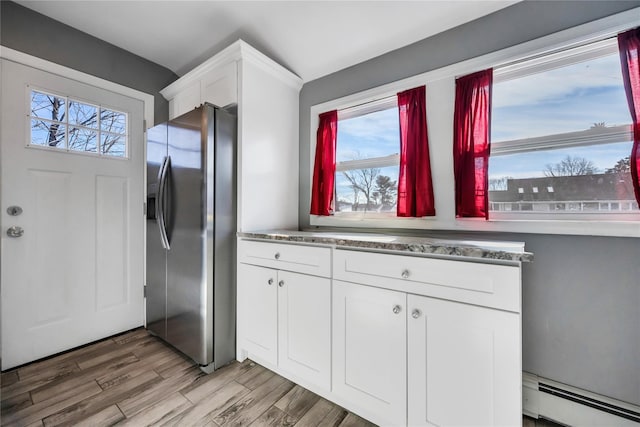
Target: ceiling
x=311 y=38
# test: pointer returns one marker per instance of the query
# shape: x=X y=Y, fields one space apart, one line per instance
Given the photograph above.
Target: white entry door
x=72 y=167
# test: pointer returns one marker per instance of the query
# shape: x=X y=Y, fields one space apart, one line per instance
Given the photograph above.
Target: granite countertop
x=490 y=250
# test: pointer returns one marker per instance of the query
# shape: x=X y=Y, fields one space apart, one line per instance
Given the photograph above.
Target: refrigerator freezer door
x=156 y=255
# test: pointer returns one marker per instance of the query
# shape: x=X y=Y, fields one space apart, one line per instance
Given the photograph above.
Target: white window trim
x=440 y=81
x=561 y=58
x=368 y=107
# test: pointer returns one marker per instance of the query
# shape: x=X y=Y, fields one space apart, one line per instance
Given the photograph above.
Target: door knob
x=416 y=313
x=281 y=283
x=15 y=231
x=397 y=309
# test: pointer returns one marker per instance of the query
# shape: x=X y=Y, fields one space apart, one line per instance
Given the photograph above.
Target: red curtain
x=324 y=169
x=415 y=191
x=471 y=148
x=629 y=46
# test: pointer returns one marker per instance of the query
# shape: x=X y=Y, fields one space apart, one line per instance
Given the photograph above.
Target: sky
x=567 y=99
x=373 y=135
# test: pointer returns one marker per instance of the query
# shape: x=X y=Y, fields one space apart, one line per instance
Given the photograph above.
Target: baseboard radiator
x=543 y=398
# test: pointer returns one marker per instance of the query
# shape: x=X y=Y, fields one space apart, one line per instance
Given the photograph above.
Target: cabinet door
x=258 y=312
x=304 y=327
x=370 y=350
x=464 y=364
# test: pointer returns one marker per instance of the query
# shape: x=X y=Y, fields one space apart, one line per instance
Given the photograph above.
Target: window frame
x=381 y=104
x=582 y=138
x=440 y=99
x=29 y=89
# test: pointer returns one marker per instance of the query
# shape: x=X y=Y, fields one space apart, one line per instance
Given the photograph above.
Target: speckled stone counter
x=489 y=250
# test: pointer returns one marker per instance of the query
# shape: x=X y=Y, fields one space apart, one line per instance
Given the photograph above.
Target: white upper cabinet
x=267 y=96
x=186 y=100
x=220 y=86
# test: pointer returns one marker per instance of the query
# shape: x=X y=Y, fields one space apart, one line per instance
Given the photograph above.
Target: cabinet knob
x=397 y=309
x=405 y=274
x=277 y=256
x=270 y=281
x=281 y=283
x=416 y=313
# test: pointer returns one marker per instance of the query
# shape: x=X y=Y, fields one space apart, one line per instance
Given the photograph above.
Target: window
x=367 y=159
x=561 y=136
x=61 y=123
x=554 y=97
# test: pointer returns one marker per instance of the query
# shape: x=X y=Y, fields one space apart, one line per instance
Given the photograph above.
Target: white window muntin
x=594 y=136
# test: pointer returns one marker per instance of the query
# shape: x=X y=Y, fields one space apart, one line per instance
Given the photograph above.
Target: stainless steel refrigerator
x=190 y=289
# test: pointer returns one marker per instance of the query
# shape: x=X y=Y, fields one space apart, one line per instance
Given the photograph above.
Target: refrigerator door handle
x=166 y=164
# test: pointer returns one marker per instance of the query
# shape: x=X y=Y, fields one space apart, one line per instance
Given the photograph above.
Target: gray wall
x=30 y=32
x=581 y=296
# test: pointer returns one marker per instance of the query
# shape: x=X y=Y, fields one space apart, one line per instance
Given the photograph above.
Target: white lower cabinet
x=399 y=340
x=304 y=327
x=407 y=359
x=284 y=319
x=463 y=364
x=427 y=342
x=258 y=311
x=370 y=351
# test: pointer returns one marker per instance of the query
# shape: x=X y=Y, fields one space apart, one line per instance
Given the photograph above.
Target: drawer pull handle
x=270 y=281
x=416 y=313
x=397 y=309
x=277 y=256
x=281 y=283
x=405 y=274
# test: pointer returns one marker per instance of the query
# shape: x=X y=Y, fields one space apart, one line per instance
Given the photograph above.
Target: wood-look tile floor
x=134 y=379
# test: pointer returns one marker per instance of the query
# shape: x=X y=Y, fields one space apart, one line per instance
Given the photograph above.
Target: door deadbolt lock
x=14 y=210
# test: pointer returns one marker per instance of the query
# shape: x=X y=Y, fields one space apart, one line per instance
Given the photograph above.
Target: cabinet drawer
x=297 y=258
x=488 y=285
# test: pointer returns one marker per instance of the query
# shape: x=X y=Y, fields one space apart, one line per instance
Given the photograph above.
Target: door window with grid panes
x=62 y=123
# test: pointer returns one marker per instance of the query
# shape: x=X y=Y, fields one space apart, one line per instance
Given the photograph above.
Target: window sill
x=526 y=225
x=547 y=226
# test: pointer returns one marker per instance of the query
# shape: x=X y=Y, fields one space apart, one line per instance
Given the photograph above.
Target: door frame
x=70 y=73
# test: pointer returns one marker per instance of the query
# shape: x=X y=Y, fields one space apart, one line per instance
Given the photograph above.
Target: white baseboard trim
x=564 y=404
